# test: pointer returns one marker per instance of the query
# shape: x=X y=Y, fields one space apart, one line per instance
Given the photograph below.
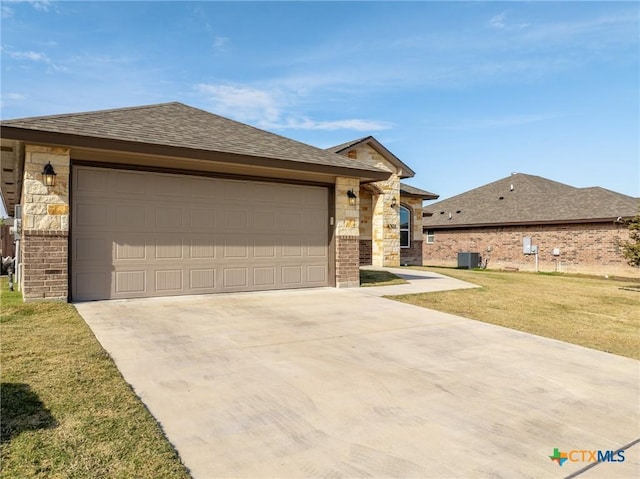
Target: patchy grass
x=596 y=313
x=370 y=277
x=66 y=410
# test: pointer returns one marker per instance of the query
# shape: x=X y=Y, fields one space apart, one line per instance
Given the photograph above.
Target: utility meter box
x=526 y=245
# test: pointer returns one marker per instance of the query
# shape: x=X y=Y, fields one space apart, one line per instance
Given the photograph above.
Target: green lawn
x=370 y=277
x=66 y=410
x=598 y=313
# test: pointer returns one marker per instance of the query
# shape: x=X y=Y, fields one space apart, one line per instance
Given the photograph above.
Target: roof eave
x=609 y=219
x=423 y=197
x=71 y=140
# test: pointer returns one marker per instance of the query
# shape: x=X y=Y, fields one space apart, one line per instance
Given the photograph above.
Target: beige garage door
x=140 y=234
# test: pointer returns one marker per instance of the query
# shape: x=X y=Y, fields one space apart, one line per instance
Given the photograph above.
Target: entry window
x=431 y=236
x=405 y=227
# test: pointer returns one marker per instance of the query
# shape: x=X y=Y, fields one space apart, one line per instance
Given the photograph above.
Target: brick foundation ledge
x=44 y=265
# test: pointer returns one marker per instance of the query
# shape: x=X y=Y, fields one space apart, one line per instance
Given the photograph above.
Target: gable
x=381 y=155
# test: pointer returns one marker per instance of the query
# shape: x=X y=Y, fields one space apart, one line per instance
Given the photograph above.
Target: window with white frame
x=405 y=227
x=431 y=236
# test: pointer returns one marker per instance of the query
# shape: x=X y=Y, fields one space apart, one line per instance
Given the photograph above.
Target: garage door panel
x=130 y=216
x=236 y=248
x=202 y=278
x=91 y=249
x=265 y=248
x=91 y=182
x=130 y=282
x=216 y=235
x=202 y=219
x=317 y=274
x=202 y=189
x=235 y=190
x=292 y=222
x=90 y=214
x=265 y=221
x=235 y=278
x=130 y=248
x=292 y=247
x=236 y=220
x=292 y=195
x=292 y=275
x=93 y=284
x=167 y=185
x=202 y=247
x=264 y=277
x=130 y=183
x=168 y=280
x=168 y=248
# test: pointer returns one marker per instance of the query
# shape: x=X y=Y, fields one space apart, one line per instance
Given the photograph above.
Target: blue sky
x=463 y=92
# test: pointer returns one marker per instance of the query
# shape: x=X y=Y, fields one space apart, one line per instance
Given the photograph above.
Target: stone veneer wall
x=385 y=227
x=584 y=248
x=45 y=225
x=346 y=234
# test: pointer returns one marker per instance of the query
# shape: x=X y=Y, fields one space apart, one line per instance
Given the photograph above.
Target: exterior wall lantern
x=352 y=197
x=49 y=175
x=393 y=202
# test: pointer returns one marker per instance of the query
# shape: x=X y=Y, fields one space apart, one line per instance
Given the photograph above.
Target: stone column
x=45 y=225
x=386 y=224
x=347 y=234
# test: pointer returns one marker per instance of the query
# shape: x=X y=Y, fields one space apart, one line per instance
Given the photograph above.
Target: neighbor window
x=405 y=227
x=431 y=236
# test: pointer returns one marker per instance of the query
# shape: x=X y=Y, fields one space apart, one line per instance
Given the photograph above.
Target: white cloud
x=268 y=109
x=7 y=11
x=352 y=124
x=13 y=96
x=498 y=21
x=242 y=103
x=37 y=57
x=28 y=55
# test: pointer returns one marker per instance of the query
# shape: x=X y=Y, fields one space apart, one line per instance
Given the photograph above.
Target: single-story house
x=531 y=223
x=398 y=236
x=169 y=199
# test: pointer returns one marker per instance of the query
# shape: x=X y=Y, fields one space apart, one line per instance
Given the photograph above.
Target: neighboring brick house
x=574 y=229
x=167 y=199
x=390 y=232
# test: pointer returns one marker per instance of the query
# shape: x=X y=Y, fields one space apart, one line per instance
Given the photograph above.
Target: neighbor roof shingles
x=532 y=199
x=178 y=125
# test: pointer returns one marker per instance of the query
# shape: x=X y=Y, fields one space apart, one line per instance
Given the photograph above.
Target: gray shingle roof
x=178 y=125
x=409 y=190
x=529 y=199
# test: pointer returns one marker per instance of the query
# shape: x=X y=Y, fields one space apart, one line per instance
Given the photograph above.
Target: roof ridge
x=93 y=112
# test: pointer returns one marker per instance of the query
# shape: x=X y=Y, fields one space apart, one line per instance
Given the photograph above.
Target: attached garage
x=139 y=234
x=167 y=199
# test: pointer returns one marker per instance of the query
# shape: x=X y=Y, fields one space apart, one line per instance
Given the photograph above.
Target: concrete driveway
x=343 y=383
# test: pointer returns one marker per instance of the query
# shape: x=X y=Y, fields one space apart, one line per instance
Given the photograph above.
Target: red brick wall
x=44 y=259
x=412 y=255
x=584 y=248
x=365 y=252
x=347 y=261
